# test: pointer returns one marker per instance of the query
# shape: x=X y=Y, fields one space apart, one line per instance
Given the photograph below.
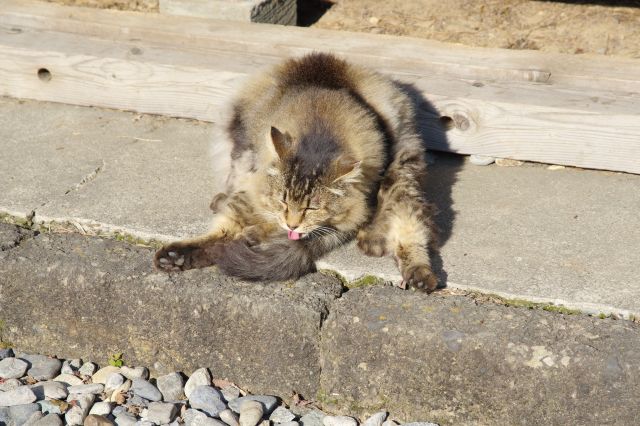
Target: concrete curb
x=446 y=358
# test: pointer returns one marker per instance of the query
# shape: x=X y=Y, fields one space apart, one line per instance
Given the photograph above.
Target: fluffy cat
x=323 y=151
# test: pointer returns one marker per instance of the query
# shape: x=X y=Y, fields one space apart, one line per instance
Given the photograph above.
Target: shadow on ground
x=442 y=175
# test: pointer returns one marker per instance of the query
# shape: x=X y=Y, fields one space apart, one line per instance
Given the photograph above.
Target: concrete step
x=569 y=237
x=443 y=357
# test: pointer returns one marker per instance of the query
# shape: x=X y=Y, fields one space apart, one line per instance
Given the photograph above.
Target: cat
x=322 y=151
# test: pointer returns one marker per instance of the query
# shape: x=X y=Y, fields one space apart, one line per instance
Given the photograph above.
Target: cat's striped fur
x=326 y=151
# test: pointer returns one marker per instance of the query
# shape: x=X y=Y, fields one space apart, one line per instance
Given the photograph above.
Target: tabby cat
x=322 y=151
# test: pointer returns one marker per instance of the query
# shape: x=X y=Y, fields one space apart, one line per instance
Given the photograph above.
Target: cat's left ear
x=347 y=169
x=281 y=142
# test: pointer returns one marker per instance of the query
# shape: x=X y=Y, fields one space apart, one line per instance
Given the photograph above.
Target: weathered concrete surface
x=565 y=236
x=76 y=296
x=105 y=169
x=453 y=361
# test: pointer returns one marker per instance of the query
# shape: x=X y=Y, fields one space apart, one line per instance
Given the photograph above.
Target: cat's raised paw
x=372 y=244
x=419 y=277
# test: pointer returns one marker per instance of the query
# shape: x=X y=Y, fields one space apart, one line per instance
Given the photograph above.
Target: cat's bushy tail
x=275 y=260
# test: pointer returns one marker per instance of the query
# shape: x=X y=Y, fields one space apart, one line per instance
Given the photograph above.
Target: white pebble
x=200 y=377
x=250 y=413
x=229 y=417
x=102 y=408
x=481 y=160
x=339 y=421
x=135 y=372
x=376 y=419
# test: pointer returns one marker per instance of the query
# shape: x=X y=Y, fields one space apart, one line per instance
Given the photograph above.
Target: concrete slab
x=106 y=170
x=567 y=236
x=454 y=361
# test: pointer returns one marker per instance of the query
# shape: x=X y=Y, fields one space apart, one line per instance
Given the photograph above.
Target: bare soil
x=598 y=27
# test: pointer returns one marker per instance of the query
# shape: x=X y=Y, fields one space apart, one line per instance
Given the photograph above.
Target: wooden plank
x=552 y=123
x=425 y=56
x=283 y=12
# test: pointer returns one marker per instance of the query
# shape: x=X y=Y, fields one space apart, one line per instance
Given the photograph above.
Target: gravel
x=84 y=394
x=13 y=368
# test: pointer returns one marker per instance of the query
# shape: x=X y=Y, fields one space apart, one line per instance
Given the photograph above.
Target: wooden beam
x=188 y=67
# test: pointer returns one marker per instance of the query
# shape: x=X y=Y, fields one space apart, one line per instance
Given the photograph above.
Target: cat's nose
x=293 y=225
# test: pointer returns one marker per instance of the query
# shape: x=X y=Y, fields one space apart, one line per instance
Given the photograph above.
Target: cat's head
x=311 y=184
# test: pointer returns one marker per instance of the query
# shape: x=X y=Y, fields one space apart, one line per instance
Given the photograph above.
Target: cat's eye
x=312 y=208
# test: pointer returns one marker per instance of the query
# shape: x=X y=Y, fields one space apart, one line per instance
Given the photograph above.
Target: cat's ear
x=347 y=169
x=281 y=142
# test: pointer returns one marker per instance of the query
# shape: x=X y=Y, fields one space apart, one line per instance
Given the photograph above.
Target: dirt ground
x=599 y=27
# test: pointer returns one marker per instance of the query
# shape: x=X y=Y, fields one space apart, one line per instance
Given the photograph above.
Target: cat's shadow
x=442 y=174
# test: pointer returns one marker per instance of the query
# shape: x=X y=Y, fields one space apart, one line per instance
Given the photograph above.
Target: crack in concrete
x=88 y=178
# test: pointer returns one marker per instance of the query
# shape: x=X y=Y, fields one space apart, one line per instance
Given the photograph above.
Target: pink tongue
x=293 y=235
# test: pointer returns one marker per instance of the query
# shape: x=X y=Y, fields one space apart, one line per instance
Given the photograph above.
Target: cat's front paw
x=180 y=257
x=372 y=244
x=420 y=277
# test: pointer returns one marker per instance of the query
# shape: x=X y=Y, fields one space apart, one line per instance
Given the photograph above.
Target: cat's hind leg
x=402 y=225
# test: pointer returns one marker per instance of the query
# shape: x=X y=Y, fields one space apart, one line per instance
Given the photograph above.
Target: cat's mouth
x=293 y=235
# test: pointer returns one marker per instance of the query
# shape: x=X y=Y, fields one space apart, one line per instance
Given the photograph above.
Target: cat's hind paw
x=372 y=244
x=419 y=277
x=180 y=257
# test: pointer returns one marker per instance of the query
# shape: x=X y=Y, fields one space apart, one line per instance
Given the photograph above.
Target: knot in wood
x=461 y=121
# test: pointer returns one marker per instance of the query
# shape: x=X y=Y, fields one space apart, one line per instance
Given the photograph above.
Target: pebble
x=555 y=167
x=88 y=369
x=291 y=423
x=6 y=353
x=229 y=417
x=314 y=418
x=207 y=399
x=268 y=402
x=53 y=406
x=230 y=392
x=96 y=420
x=138 y=401
x=33 y=418
x=376 y=419
x=339 y=421
x=419 y=424
x=69 y=379
x=10 y=384
x=171 y=386
x=101 y=408
x=79 y=410
x=193 y=417
x=118 y=409
x=20 y=414
x=283 y=415
x=70 y=366
x=113 y=382
x=42 y=367
x=49 y=420
x=120 y=390
x=101 y=375
x=481 y=160
x=17 y=396
x=94 y=388
x=162 y=412
x=13 y=368
x=250 y=413
x=146 y=390
x=508 y=162
x=125 y=419
x=50 y=390
x=200 y=377
x=135 y=373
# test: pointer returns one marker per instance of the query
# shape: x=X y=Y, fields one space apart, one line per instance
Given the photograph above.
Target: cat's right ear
x=281 y=142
